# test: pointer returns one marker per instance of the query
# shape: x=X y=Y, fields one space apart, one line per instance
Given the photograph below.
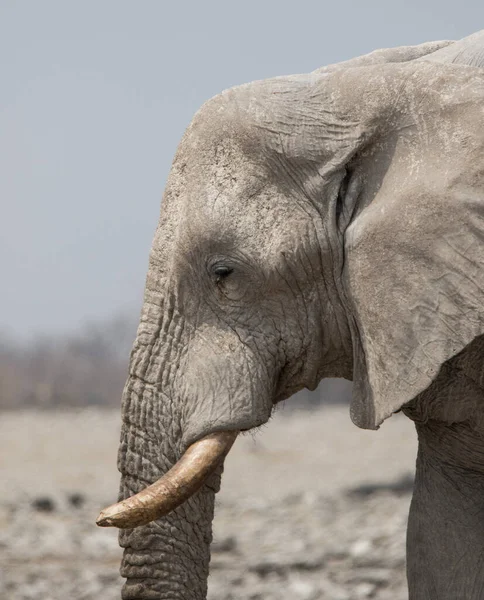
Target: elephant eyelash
x=221 y=272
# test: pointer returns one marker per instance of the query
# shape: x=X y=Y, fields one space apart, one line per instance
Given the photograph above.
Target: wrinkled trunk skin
x=167 y=559
x=445 y=538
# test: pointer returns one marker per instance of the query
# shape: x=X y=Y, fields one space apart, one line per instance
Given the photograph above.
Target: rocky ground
x=311 y=508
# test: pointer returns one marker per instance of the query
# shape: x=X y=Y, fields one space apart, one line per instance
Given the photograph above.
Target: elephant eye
x=221 y=272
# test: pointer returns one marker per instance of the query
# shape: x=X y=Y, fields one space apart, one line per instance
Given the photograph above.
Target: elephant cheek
x=224 y=393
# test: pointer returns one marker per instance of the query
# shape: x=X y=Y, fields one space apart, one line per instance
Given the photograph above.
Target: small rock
x=76 y=499
x=264 y=568
x=293 y=499
x=228 y=544
x=43 y=504
x=364 y=590
x=304 y=589
x=360 y=548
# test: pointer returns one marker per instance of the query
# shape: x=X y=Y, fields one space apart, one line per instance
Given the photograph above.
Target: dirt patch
x=310 y=508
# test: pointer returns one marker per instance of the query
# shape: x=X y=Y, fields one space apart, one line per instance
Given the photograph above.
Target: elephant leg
x=445 y=539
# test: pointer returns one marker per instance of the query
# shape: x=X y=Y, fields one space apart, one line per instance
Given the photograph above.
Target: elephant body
x=320 y=225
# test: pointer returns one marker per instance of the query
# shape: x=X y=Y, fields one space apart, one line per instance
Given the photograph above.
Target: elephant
x=329 y=224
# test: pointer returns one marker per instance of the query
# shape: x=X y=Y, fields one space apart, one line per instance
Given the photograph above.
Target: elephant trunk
x=175 y=487
x=185 y=390
x=170 y=556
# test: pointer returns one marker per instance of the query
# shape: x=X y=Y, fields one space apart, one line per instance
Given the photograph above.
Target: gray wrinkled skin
x=347 y=209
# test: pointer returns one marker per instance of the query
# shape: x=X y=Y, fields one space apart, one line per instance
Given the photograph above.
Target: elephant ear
x=415 y=253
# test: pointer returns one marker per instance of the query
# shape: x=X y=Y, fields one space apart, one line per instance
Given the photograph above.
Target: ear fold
x=415 y=255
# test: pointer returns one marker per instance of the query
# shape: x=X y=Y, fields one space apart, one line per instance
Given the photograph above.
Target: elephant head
x=321 y=225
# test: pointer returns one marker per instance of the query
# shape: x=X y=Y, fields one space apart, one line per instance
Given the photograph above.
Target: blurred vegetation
x=81 y=369
x=90 y=368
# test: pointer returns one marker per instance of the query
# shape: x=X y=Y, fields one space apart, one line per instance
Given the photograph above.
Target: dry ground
x=311 y=508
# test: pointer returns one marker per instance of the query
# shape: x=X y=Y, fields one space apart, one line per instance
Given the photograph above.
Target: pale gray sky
x=94 y=96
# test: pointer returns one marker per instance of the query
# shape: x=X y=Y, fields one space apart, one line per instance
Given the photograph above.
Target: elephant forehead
x=259 y=120
x=220 y=128
x=264 y=220
x=258 y=222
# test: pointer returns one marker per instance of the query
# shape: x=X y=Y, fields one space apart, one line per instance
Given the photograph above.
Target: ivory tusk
x=177 y=485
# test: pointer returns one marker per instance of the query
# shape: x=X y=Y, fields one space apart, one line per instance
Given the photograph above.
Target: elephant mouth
x=185 y=478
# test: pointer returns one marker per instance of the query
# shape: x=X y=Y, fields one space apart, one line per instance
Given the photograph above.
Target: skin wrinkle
x=156 y=333
x=262 y=362
x=168 y=328
x=143 y=462
x=301 y=294
x=289 y=287
x=176 y=548
x=132 y=454
x=292 y=172
x=183 y=351
x=318 y=290
x=181 y=545
x=477 y=584
x=212 y=419
x=342 y=333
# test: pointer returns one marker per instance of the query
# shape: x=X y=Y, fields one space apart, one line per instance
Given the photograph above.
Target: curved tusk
x=177 y=485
